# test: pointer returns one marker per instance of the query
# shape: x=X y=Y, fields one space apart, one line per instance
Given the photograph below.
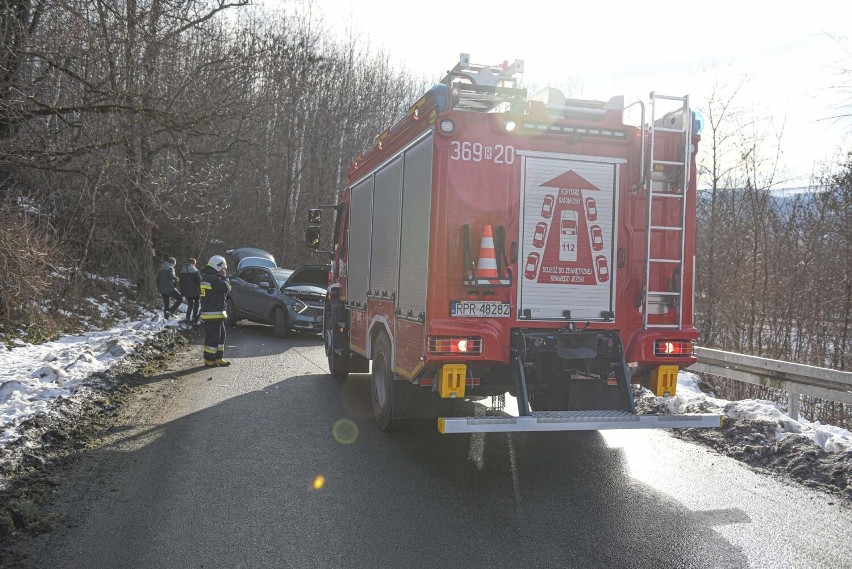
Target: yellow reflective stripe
x=214 y=316
x=209 y=350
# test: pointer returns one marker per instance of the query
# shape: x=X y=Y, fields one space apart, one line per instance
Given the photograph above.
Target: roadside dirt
x=32 y=468
x=755 y=443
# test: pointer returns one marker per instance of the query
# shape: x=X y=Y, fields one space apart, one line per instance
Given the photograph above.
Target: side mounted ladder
x=677 y=121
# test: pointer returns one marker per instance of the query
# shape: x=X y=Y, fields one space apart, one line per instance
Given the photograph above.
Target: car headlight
x=299 y=306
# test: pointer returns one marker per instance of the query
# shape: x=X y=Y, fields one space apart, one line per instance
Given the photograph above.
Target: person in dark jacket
x=214 y=287
x=166 y=281
x=190 y=288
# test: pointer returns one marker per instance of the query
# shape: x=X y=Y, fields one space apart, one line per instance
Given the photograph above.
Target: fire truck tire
x=336 y=362
x=337 y=366
x=382 y=384
x=281 y=325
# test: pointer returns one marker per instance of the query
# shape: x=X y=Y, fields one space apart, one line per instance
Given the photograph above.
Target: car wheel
x=231 y=311
x=382 y=384
x=281 y=325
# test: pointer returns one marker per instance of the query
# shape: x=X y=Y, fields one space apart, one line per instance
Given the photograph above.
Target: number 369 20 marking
x=477 y=152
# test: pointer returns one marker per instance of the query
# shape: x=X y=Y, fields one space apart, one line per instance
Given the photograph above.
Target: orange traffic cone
x=486 y=268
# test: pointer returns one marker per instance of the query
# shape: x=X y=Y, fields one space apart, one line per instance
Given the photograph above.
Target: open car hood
x=306 y=291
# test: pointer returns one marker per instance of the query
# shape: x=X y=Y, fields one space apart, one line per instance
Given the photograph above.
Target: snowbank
x=31 y=376
x=690 y=398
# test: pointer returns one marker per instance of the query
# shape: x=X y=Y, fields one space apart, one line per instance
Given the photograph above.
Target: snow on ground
x=33 y=376
x=690 y=398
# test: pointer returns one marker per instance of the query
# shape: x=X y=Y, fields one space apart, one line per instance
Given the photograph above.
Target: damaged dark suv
x=290 y=300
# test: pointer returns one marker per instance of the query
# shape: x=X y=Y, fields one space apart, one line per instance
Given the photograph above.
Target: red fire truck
x=492 y=243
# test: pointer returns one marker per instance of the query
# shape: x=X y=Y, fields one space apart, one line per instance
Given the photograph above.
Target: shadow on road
x=260 y=480
x=251 y=340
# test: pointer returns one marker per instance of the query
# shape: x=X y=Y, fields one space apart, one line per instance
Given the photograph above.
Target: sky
x=790 y=57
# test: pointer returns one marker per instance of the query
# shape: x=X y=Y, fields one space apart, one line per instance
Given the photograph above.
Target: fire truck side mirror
x=514 y=251
x=315 y=216
x=312 y=237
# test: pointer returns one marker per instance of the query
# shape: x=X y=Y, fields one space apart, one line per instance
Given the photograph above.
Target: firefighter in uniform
x=214 y=287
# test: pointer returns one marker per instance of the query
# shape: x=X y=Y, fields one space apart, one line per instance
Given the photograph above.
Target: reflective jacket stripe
x=214 y=315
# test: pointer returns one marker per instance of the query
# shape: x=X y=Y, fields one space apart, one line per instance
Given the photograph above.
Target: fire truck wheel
x=382 y=383
x=281 y=326
x=336 y=362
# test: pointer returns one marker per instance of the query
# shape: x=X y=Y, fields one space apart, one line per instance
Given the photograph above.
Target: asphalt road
x=244 y=468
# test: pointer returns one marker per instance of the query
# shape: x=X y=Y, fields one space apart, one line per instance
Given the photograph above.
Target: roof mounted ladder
x=661 y=188
x=479 y=87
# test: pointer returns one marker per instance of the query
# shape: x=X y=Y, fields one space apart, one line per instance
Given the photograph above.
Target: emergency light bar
x=548 y=128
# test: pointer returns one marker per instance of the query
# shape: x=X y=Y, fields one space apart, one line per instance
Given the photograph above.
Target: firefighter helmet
x=218 y=262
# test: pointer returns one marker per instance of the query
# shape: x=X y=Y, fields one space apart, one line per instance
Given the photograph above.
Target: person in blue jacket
x=214 y=288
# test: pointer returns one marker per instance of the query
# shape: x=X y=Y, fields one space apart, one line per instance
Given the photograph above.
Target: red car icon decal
x=597 y=237
x=547 y=206
x=539 y=234
x=591 y=209
x=603 y=268
x=531 y=268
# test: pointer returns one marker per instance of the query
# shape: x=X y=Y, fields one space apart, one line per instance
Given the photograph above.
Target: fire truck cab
x=491 y=242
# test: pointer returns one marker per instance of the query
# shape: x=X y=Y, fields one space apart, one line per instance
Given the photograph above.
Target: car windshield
x=313 y=277
x=281 y=275
x=255 y=262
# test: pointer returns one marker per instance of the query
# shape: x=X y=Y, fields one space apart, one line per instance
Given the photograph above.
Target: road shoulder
x=35 y=470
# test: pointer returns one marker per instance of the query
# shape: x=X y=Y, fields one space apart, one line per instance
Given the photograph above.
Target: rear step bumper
x=575 y=421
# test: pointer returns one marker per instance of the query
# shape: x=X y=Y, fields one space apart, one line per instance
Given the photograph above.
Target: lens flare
x=345 y=431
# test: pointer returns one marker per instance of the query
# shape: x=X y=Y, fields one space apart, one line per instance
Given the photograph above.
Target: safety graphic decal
x=566 y=244
x=567 y=237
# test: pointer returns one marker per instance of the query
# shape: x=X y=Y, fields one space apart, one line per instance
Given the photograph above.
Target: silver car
x=290 y=300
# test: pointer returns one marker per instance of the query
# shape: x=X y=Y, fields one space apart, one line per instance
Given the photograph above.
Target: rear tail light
x=454 y=345
x=673 y=348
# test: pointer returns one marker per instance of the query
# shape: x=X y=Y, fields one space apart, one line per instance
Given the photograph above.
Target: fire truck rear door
x=571 y=268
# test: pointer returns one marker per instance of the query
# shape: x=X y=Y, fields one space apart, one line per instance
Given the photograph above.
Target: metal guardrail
x=796 y=379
